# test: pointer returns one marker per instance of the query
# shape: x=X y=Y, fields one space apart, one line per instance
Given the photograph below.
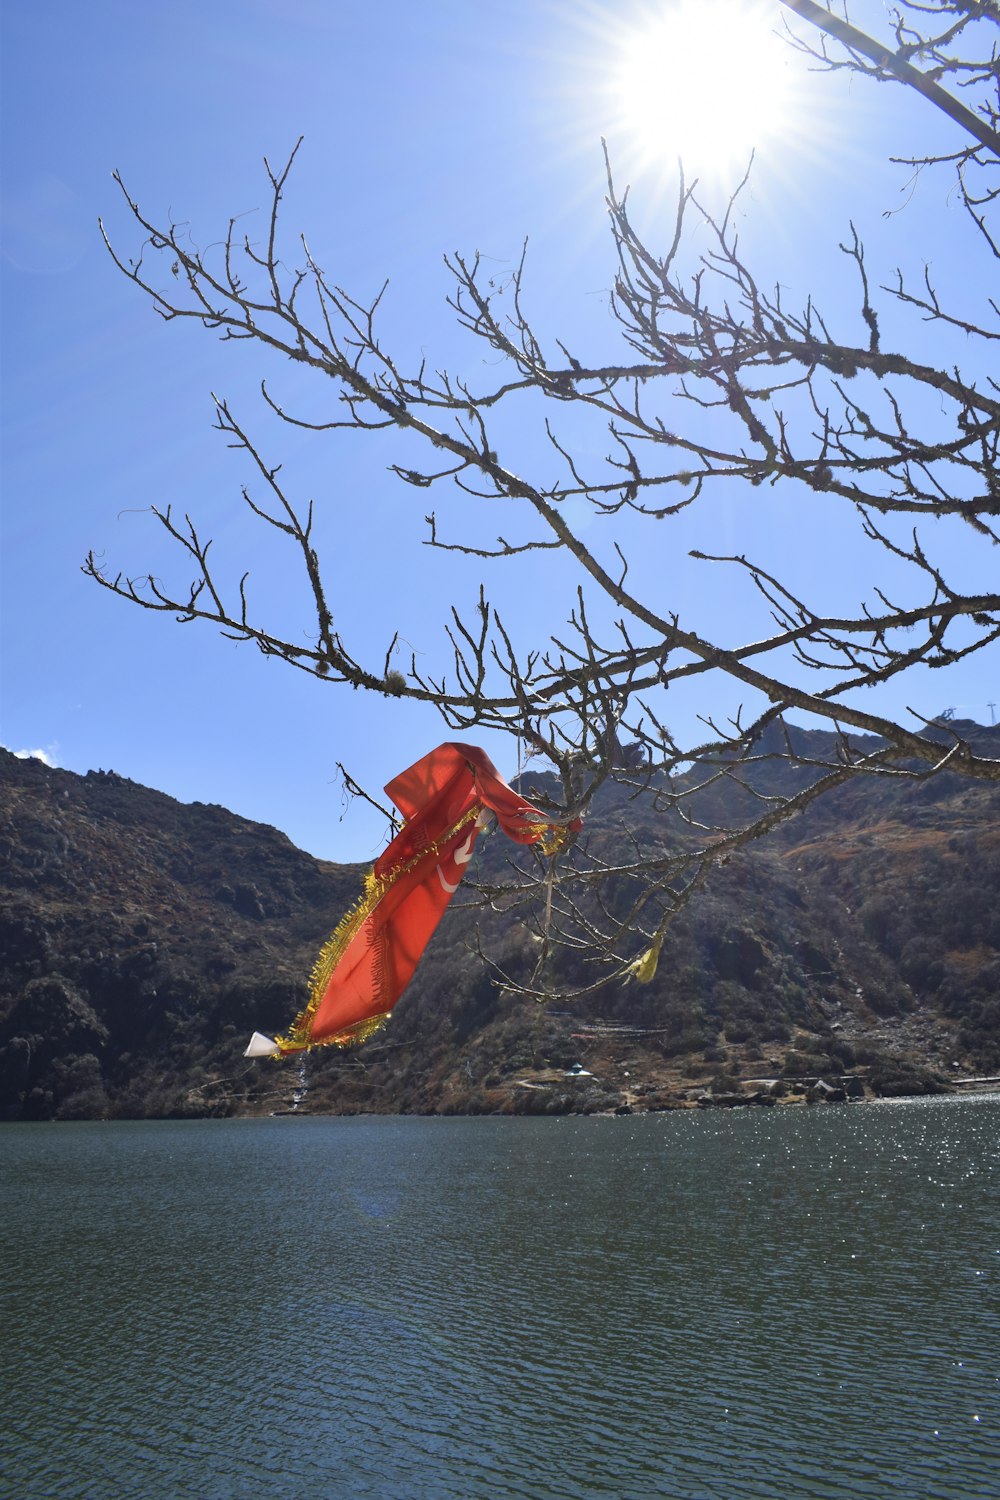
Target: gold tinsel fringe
x=553 y=840
x=299 y=1036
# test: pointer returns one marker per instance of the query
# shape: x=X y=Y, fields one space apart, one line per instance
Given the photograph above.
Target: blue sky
x=428 y=129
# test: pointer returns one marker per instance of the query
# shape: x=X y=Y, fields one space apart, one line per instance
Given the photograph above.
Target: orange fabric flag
x=362 y=971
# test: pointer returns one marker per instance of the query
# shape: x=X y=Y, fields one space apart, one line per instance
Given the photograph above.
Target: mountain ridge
x=142 y=939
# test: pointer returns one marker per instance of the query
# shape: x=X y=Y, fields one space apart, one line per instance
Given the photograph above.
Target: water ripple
x=721 y=1307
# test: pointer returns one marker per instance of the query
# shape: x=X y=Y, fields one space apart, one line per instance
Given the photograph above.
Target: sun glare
x=703 y=80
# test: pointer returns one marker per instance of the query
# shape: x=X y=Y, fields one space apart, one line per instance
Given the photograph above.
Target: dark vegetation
x=141 y=941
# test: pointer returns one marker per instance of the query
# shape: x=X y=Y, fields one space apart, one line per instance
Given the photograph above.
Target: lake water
x=700 y=1306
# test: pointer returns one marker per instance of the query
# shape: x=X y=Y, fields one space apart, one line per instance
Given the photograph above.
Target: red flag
x=366 y=965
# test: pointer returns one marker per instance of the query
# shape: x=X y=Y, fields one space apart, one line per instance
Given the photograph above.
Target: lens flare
x=705 y=80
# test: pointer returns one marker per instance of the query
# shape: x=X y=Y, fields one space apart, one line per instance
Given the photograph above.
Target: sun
x=704 y=80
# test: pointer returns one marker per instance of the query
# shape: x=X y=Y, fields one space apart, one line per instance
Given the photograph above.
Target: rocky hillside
x=141 y=940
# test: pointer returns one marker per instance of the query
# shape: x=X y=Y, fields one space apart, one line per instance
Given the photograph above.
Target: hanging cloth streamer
x=446 y=799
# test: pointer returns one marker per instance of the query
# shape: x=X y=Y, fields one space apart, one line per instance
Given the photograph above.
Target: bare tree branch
x=721 y=385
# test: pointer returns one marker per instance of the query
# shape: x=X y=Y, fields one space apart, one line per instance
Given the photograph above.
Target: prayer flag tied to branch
x=446 y=800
